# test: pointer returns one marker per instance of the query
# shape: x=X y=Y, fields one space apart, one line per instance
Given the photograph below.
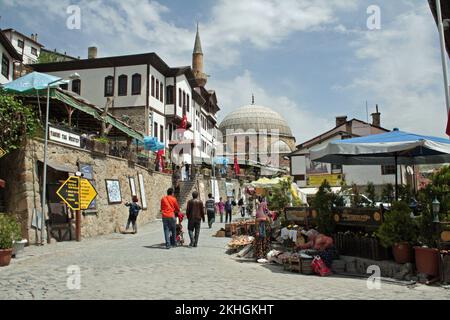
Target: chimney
x=92 y=52
x=376 y=118
x=36 y=37
x=32 y=36
x=341 y=120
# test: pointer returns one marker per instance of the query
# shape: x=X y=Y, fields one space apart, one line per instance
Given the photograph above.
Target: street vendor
x=263 y=232
x=319 y=244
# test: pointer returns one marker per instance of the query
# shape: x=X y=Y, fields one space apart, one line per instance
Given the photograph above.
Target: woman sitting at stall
x=319 y=244
x=263 y=232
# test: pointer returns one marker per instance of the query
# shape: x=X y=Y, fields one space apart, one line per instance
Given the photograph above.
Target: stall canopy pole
x=396 y=177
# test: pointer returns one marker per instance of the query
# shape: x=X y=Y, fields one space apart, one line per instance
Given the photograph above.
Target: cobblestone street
x=135 y=267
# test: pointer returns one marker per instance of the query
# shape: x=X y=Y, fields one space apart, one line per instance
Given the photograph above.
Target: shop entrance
x=60 y=220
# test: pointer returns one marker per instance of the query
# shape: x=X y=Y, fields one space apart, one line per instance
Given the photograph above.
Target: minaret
x=197 y=62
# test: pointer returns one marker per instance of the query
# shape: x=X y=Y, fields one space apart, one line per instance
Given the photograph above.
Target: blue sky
x=310 y=60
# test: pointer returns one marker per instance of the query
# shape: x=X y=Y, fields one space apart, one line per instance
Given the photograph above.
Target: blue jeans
x=170 y=231
x=262 y=229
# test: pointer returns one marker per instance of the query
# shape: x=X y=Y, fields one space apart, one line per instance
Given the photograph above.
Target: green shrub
x=102 y=140
x=9 y=231
x=398 y=226
x=323 y=203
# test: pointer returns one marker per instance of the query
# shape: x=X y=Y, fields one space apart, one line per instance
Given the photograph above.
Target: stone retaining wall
x=22 y=193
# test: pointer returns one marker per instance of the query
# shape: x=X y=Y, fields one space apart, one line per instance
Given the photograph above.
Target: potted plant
x=398 y=230
x=9 y=231
x=100 y=145
x=427 y=255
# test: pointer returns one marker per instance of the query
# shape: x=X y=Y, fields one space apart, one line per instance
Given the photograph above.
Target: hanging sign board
x=77 y=193
x=69 y=192
x=65 y=137
x=87 y=194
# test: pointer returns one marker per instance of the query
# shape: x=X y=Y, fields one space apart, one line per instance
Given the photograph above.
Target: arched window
x=76 y=86
x=136 y=84
x=109 y=86
x=123 y=80
x=161 y=92
x=180 y=98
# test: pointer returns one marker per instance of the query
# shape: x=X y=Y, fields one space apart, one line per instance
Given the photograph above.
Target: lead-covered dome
x=253 y=117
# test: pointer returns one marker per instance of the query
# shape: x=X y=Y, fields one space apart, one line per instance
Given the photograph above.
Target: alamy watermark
x=73 y=21
x=374 y=281
x=374 y=19
x=74 y=278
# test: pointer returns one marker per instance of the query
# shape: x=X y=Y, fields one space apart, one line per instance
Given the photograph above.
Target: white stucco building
x=8 y=56
x=307 y=173
x=148 y=94
x=28 y=47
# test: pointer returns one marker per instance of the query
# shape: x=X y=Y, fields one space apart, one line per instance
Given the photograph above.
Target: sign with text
x=65 y=137
x=69 y=192
x=87 y=194
x=317 y=180
x=363 y=217
x=77 y=193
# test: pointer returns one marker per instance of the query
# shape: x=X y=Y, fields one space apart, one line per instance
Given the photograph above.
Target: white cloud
x=400 y=69
x=238 y=92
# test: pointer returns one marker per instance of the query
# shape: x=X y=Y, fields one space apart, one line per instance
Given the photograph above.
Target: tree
x=388 y=193
x=17 y=121
x=323 y=203
x=279 y=197
x=106 y=128
x=370 y=190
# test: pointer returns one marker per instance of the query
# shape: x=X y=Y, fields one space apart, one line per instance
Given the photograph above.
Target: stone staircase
x=186 y=189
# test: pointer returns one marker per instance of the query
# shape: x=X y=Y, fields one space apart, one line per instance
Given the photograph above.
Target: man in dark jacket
x=195 y=213
x=210 y=210
x=228 y=210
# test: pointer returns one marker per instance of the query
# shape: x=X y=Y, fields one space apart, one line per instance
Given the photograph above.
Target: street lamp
x=73 y=76
x=436 y=209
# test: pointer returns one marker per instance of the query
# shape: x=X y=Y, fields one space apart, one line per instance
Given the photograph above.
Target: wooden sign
x=77 y=193
x=363 y=217
x=87 y=194
x=69 y=192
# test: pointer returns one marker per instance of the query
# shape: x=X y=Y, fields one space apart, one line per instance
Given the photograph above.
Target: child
x=134 y=212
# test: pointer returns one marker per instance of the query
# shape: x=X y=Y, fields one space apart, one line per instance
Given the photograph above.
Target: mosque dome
x=257 y=118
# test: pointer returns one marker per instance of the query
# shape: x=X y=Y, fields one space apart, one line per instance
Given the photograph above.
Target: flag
x=448 y=125
x=183 y=124
x=237 y=170
x=159 y=159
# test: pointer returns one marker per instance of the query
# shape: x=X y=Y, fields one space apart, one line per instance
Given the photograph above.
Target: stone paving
x=121 y=266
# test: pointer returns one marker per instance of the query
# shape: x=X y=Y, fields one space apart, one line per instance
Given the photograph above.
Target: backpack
x=134 y=209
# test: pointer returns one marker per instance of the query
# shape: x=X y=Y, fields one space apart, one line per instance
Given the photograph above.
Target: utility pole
x=443 y=54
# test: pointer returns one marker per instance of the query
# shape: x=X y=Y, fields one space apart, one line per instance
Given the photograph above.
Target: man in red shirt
x=169 y=210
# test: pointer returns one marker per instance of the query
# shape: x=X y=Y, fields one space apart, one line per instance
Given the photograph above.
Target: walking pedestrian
x=241 y=207
x=263 y=231
x=228 y=210
x=195 y=213
x=210 y=210
x=221 y=206
x=133 y=213
x=169 y=210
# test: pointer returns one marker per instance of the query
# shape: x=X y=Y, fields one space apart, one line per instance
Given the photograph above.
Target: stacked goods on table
x=297 y=262
x=240 y=241
x=291 y=236
x=243 y=227
x=363 y=245
x=242 y=245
